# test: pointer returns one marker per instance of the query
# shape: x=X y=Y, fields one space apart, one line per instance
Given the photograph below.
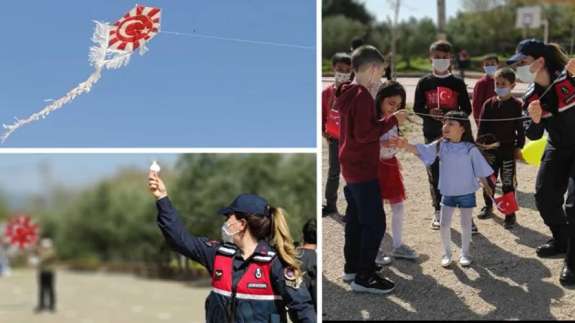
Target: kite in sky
x=113 y=47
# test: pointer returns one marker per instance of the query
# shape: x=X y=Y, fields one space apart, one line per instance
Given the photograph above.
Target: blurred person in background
x=45 y=258
x=308 y=257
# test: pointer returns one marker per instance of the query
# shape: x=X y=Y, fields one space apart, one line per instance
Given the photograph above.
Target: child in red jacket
x=360 y=130
x=485 y=87
x=341 y=64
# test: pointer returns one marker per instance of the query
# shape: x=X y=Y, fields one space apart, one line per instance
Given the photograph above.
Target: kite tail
x=83 y=87
x=100 y=57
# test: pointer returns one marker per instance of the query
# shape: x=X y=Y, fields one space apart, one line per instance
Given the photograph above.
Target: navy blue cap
x=248 y=204
x=527 y=47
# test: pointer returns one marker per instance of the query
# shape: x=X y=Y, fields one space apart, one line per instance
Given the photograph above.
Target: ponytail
x=282 y=241
x=555 y=59
x=274 y=229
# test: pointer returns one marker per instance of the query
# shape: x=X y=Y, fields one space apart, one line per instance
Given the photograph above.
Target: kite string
x=240 y=40
x=464 y=119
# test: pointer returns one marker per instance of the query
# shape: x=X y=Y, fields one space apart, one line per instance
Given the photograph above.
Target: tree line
x=481 y=27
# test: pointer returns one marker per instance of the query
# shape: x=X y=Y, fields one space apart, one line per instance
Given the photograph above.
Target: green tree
x=493 y=29
x=415 y=36
x=4 y=210
x=351 y=9
x=209 y=182
x=338 y=32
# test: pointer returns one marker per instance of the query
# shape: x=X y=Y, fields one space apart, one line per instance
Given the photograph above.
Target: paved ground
x=506 y=281
x=103 y=298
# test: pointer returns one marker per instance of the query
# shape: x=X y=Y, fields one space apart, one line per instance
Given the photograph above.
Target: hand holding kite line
x=156 y=185
x=114 y=44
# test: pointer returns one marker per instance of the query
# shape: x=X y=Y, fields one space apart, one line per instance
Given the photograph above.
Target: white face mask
x=374 y=81
x=524 y=74
x=227 y=235
x=440 y=64
x=342 y=77
x=490 y=69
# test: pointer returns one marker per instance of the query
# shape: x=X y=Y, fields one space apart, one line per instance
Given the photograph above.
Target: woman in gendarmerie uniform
x=550 y=102
x=254 y=270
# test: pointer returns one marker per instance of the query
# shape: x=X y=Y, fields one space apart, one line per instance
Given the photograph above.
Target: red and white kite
x=21 y=231
x=135 y=28
x=114 y=45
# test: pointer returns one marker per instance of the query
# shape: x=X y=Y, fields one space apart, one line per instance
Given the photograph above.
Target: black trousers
x=333 y=171
x=433 y=177
x=46 y=295
x=502 y=160
x=364 y=228
x=555 y=177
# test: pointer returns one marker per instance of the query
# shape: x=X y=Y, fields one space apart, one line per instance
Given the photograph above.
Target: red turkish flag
x=441 y=97
x=506 y=203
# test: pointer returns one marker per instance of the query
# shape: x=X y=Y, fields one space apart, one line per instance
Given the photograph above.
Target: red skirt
x=390 y=180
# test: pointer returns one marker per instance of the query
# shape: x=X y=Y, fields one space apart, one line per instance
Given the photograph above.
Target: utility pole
x=395 y=30
x=441 y=20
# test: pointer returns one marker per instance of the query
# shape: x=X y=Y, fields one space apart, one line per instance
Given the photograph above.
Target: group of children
x=361 y=120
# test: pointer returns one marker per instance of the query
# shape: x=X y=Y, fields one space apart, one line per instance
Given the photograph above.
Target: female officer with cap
x=549 y=101
x=254 y=270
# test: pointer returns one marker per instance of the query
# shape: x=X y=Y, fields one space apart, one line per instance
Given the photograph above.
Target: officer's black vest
x=559 y=120
x=252 y=299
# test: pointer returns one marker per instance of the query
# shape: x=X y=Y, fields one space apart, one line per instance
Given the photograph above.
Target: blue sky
x=412 y=8
x=185 y=92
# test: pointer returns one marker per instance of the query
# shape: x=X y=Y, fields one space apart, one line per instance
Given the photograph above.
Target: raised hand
x=156 y=185
x=535 y=111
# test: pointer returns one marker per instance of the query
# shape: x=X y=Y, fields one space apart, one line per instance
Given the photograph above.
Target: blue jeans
x=460 y=201
x=364 y=227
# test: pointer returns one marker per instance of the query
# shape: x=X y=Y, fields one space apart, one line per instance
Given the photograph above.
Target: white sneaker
x=435 y=224
x=382 y=259
x=446 y=261
x=465 y=261
x=404 y=252
x=348 y=278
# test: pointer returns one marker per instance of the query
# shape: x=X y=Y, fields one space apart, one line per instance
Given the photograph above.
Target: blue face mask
x=502 y=91
x=490 y=69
